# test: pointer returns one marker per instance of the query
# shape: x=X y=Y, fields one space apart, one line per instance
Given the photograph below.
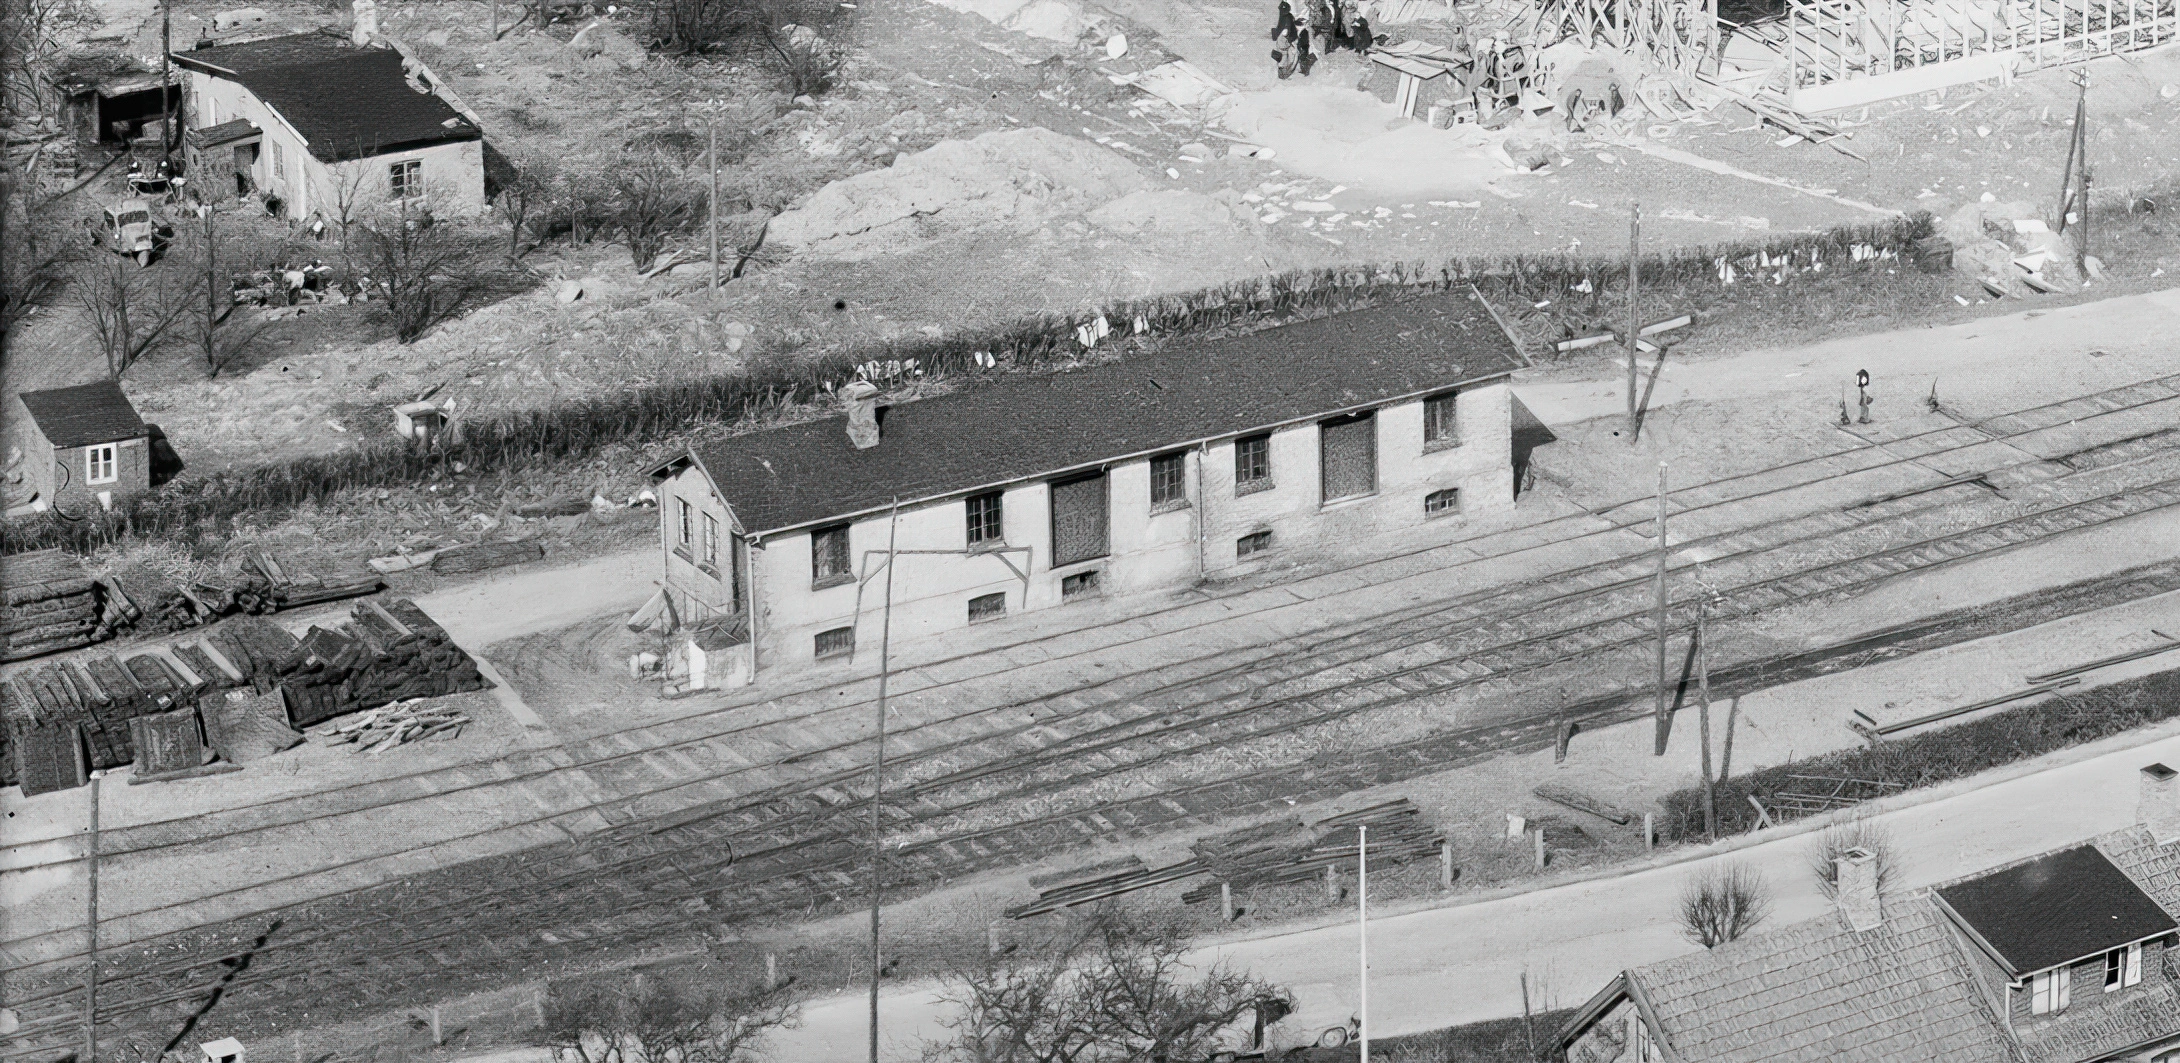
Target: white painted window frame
x=93 y=462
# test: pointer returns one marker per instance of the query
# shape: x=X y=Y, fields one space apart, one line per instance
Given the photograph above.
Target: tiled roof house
x=2065 y=957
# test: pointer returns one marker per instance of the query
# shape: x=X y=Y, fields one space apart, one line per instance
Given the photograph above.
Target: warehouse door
x=1079 y=522
x=1348 y=450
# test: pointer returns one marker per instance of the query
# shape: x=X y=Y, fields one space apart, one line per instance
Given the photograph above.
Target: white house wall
x=1148 y=552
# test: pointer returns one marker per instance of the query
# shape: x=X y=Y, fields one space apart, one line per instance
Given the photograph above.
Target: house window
x=98 y=465
x=711 y=540
x=2048 y=991
x=280 y=161
x=829 y=563
x=1348 y=448
x=985 y=524
x=987 y=607
x=687 y=517
x=1078 y=585
x=405 y=179
x=1442 y=503
x=839 y=642
x=1252 y=544
x=1169 y=481
x=2122 y=968
x=1438 y=421
x=1252 y=463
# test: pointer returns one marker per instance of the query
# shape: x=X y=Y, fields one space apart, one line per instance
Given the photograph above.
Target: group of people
x=1321 y=27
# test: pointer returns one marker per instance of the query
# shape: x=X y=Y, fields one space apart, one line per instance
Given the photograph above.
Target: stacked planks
x=147 y=601
x=1284 y=851
x=387 y=653
x=1111 y=878
x=49 y=605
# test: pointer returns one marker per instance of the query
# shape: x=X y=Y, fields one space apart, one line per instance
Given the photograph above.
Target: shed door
x=1348 y=447
x=1079 y=523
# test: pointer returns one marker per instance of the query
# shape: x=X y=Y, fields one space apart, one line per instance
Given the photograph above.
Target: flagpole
x=1362 y=928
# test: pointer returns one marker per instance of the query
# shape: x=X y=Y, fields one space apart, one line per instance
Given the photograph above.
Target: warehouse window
x=1442 y=503
x=829 y=562
x=1252 y=463
x=986 y=523
x=1439 y=426
x=99 y=467
x=839 y=642
x=1348 y=448
x=405 y=180
x=1078 y=585
x=2048 y=991
x=1079 y=520
x=1252 y=544
x=1169 y=481
x=987 y=607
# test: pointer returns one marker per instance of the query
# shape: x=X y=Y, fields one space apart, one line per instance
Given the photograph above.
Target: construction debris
x=382 y=729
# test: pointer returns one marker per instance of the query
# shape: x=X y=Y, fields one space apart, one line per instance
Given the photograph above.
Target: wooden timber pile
x=50 y=605
x=1111 y=878
x=1285 y=851
x=387 y=653
x=146 y=601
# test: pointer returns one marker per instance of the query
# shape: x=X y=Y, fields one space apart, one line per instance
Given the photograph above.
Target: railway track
x=786 y=850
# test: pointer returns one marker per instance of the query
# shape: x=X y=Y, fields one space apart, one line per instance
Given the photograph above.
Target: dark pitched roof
x=1021 y=427
x=1821 y=992
x=84 y=414
x=348 y=102
x=2055 y=909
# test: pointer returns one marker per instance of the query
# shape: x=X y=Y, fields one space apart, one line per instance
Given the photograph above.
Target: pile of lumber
x=146 y=601
x=384 y=728
x=1286 y=851
x=49 y=605
x=252 y=649
x=387 y=653
x=478 y=557
x=1111 y=878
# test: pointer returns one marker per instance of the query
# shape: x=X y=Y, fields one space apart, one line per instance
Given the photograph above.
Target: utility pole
x=168 y=105
x=1362 y=932
x=711 y=110
x=90 y=977
x=1703 y=710
x=2074 y=179
x=1634 y=313
x=878 y=769
x=1663 y=682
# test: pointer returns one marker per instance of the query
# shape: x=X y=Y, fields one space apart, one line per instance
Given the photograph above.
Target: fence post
x=1650 y=831
x=1226 y=901
x=1540 y=848
x=772 y=970
x=1445 y=865
x=1332 y=884
x=991 y=939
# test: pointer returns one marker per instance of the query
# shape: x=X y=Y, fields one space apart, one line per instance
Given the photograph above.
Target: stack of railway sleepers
x=1083 y=885
x=286 y=587
x=1284 y=851
x=253 y=648
x=49 y=605
x=388 y=652
x=149 y=602
x=44 y=744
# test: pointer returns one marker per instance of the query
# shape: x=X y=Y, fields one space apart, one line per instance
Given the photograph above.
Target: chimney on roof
x=861 y=398
x=365 y=27
x=1857 y=895
x=2158 y=808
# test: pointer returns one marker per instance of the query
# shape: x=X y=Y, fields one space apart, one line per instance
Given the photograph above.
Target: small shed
x=1419 y=67
x=711 y=658
x=87 y=447
x=220 y=158
x=108 y=97
x=224 y=1050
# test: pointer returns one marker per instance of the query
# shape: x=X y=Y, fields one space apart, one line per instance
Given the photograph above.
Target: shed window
x=2122 y=968
x=839 y=642
x=404 y=179
x=986 y=523
x=1348 y=447
x=98 y=465
x=829 y=562
x=1252 y=544
x=686 y=512
x=1442 y=503
x=1169 y=481
x=988 y=606
x=2048 y=991
x=711 y=540
x=1252 y=463
x=1439 y=426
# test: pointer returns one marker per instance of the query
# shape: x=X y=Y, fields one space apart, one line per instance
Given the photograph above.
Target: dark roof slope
x=2055 y=909
x=84 y=414
x=348 y=102
x=1821 y=991
x=1020 y=427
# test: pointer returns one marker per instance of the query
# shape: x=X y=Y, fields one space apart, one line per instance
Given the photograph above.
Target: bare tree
x=1722 y=904
x=131 y=309
x=33 y=33
x=524 y=194
x=213 y=329
x=652 y=200
x=33 y=249
x=426 y=271
x=669 y=1017
x=1860 y=832
x=1116 y=986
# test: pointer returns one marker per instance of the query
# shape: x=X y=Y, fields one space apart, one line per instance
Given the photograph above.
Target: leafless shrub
x=652 y=200
x=1860 y=832
x=525 y=198
x=806 y=64
x=666 y=1018
x=131 y=309
x=427 y=272
x=1722 y=904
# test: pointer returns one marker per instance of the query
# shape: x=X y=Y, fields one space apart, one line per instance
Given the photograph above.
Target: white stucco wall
x=1149 y=552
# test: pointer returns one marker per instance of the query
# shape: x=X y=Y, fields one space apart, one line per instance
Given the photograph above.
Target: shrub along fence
x=1932 y=757
x=511 y=442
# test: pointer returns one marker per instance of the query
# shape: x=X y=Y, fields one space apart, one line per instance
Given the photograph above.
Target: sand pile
x=1015 y=178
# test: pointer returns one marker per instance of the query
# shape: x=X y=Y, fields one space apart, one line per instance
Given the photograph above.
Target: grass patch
x=202 y=508
x=1493 y=1041
x=1934 y=757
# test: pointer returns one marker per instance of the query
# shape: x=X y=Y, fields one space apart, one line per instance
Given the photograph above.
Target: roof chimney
x=1858 y=901
x=2158 y=808
x=861 y=398
x=364 y=29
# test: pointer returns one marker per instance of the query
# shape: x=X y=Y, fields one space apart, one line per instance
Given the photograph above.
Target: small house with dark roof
x=2065 y=957
x=1209 y=459
x=87 y=447
x=318 y=119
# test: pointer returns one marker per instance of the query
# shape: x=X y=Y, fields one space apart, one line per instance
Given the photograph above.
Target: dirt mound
x=1015 y=178
x=1169 y=210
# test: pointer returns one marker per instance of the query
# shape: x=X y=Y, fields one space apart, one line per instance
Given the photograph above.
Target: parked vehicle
x=128 y=228
x=1261 y=1032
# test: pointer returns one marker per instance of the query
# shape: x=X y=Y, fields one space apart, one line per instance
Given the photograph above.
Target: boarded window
x=1348 y=446
x=1252 y=463
x=1252 y=544
x=280 y=161
x=829 y=561
x=1439 y=426
x=1079 y=520
x=987 y=607
x=1169 y=480
x=985 y=523
x=1441 y=503
x=1079 y=584
x=839 y=642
